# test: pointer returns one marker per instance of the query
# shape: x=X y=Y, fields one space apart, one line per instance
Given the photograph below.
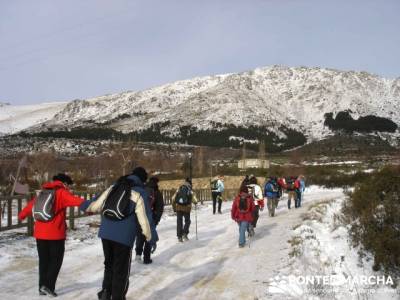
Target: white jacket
x=256 y=191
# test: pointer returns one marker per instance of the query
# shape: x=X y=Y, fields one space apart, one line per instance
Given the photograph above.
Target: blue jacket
x=124 y=231
x=270 y=191
x=302 y=185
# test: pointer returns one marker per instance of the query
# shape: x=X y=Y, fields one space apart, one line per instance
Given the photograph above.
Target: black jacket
x=156 y=201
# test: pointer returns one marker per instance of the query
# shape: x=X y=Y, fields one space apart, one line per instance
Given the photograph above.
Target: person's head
x=153 y=182
x=253 y=179
x=64 y=178
x=221 y=177
x=141 y=173
x=189 y=181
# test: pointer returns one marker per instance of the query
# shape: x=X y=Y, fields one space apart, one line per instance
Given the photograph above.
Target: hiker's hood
x=136 y=181
x=53 y=185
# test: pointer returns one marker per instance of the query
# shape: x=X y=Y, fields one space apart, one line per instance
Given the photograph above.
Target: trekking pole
x=195 y=217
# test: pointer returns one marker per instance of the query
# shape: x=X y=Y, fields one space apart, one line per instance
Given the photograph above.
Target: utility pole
x=190 y=165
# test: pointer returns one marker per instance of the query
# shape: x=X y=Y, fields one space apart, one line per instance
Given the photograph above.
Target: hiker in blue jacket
x=271 y=192
x=118 y=236
x=300 y=190
x=217 y=188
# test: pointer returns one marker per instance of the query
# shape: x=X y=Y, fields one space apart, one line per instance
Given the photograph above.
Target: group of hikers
x=250 y=201
x=131 y=209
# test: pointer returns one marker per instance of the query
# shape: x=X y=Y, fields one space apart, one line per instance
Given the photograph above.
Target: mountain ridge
x=275 y=99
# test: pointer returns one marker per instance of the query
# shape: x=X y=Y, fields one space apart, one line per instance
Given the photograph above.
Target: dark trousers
x=117 y=267
x=297 y=202
x=216 y=196
x=256 y=213
x=51 y=255
x=180 y=228
x=143 y=247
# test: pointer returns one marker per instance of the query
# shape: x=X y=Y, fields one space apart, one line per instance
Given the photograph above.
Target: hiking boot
x=48 y=292
x=147 y=262
x=103 y=295
x=180 y=239
x=41 y=293
x=241 y=245
x=185 y=237
x=138 y=258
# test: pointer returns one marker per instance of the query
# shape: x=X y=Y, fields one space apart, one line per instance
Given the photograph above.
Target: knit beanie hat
x=63 y=178
x=141 y=173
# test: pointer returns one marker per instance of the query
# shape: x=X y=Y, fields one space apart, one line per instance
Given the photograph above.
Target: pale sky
x=64 y=50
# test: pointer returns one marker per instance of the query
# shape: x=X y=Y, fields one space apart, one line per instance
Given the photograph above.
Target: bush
x=373 y=212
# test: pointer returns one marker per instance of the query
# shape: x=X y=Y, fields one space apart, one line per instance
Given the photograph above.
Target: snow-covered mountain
x=14 y=118
x=273 y=99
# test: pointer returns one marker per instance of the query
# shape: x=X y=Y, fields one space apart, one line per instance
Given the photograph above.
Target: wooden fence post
x=9 y=212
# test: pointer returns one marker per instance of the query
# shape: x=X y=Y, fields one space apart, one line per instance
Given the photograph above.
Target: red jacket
x=56 y=228
x=239 y=216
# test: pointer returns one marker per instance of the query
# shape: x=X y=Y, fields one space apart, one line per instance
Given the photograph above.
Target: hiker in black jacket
x=156 y=203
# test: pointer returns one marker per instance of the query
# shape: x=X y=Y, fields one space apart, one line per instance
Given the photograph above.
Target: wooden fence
x=11 y=206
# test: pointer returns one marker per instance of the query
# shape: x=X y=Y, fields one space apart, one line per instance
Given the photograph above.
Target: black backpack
x=117 y=205
x=44 y=207
x=243 y=204
x=214 y=185
x=183 y=197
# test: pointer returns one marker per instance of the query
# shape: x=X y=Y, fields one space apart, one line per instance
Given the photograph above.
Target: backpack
x=152 y=198
x=44 y=207
x=290 y=185
x=243 y=204
x=117 y=204
x=214 y=185
x=183 y=195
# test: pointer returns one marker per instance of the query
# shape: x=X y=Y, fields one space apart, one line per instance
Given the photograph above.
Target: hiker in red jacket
x=242 y=212
x=50 y=235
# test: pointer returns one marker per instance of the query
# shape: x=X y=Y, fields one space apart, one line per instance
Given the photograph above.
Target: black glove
x=153 y=247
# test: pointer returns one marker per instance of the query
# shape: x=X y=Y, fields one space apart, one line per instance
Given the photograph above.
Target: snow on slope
x=14 y=118
x=212 y=267
x=269 y=97
x=321 y=247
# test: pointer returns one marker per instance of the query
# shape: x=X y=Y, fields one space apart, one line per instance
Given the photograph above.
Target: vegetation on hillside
x=373 y=212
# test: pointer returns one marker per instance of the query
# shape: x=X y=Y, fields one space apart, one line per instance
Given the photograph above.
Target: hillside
x=286 y=107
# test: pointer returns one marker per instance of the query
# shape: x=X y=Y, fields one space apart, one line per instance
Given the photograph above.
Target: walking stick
x=195 y=217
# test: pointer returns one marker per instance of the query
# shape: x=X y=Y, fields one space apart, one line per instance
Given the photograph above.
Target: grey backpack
x=44 y=207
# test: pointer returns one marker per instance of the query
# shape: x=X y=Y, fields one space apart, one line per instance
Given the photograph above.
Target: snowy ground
x=212 y=267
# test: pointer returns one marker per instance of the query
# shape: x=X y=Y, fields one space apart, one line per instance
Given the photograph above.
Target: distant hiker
x=49 y=212
x=242 y=212
x=281 y=185
x=272 y=192
x=258 y=198
x=291 y=185
x=156 y=203
x=123 y=206
x=300 y=190
x=217 y=188
x=182 y=204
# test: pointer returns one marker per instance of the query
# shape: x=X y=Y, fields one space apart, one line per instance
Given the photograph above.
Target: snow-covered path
x=212 y=267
